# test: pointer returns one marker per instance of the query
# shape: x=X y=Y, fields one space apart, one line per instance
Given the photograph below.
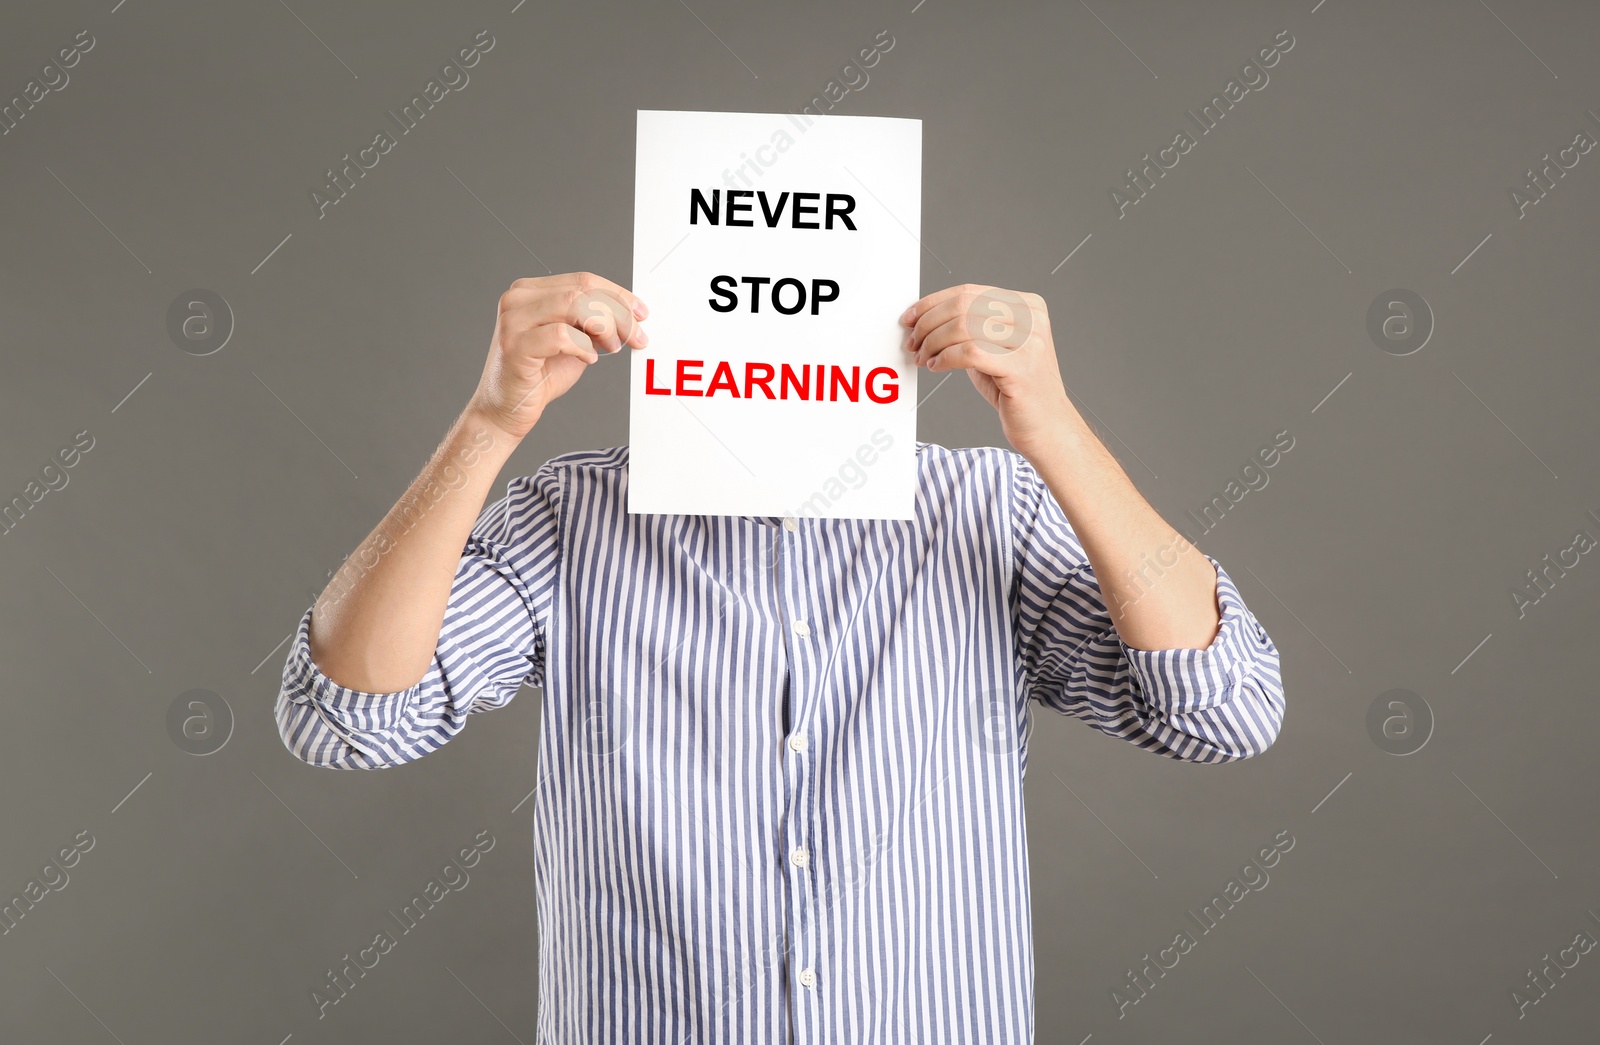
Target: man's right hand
x=549 y=329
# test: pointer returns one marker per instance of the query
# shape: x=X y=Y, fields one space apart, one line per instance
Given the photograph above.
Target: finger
x=935 y=317
x=596 y=313
x=575 y=342
x=972 y=355
x=944 y=335
x=605 y=317
x=595 y=319
x=587 y=281
x=590 y=302
x=955 y=331
x=544 y=340
x=922 y=305
x=1003 y=318
x=583 y=281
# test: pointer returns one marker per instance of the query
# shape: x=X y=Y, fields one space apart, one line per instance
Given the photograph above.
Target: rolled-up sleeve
x=1218 y=704
x=492 y=639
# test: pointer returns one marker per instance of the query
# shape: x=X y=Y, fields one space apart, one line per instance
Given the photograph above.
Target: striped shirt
x=781 y=760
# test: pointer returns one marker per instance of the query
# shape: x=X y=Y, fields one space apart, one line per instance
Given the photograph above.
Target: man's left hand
x=1002 y=339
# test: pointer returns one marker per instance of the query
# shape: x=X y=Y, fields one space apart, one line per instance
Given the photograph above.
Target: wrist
x=478 y=434
x=1064 y=435
x=478 y=416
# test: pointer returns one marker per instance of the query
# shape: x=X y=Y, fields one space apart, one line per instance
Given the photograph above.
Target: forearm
x=1160 y=590
x=376 y=625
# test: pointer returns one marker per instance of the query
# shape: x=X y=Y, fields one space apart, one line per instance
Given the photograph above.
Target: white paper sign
x=776 y=253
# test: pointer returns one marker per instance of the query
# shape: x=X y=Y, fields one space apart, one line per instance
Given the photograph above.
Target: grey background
x=1221 y=310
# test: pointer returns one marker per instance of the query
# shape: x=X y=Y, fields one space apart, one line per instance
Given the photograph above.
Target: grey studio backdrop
x=1341 y=258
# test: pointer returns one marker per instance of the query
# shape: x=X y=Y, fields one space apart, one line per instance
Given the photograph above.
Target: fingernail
x=639 y=310
x=644 y=339
x=908 y=315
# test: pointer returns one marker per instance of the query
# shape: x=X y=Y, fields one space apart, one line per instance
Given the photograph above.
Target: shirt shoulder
x=528 y=516
x=974 y=456
x=610 y=460
x=942 y=469
x=573 y=470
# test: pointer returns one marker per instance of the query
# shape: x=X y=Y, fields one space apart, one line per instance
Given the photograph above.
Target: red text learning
x=816 y=383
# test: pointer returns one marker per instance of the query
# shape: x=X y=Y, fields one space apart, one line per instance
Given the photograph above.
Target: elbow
x=330 y=726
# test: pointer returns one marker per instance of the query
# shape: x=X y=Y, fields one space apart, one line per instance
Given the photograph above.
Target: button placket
x=797 y=770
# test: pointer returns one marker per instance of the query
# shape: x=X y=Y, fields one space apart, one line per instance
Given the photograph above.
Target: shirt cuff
x=1180 y=681
x=342 y=709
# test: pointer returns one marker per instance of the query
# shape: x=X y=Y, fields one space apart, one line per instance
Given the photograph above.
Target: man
x=781 y=762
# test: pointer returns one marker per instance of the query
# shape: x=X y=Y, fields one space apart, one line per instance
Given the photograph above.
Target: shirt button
x=797 y=742
x=789 y=524
x=808 y=978
x=801 y=628
x=800 y=857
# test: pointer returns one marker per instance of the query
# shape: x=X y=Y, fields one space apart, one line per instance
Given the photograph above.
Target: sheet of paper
x=776 y=253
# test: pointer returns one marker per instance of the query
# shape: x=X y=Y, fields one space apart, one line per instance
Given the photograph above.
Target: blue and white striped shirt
x=781 y=760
